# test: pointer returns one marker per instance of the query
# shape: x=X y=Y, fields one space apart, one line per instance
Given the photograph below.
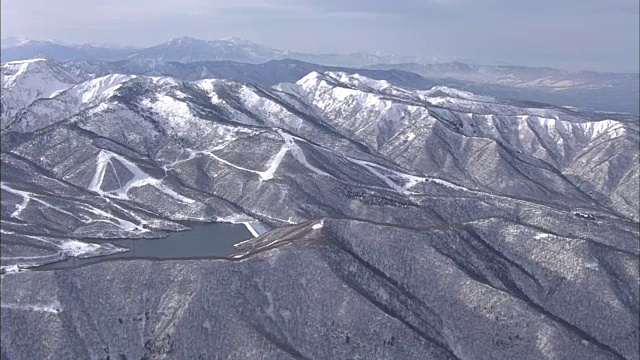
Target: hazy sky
x=570 y=34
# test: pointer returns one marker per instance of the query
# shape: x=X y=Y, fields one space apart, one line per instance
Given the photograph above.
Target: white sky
x=569 y=34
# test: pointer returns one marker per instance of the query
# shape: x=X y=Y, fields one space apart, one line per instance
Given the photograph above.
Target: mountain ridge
x=595 y=90
x=464 y=224
x=374 y=60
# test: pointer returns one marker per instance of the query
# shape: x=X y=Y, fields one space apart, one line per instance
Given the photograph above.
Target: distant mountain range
x=186 y=49
x=618 y=92
x=520 y=76
x=23 y=49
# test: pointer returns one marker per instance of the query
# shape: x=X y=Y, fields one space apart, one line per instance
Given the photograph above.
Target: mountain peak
x=184 y=40
x=13 y=41
x=343 y=79
x=188 y=40
x=28 y=61
x=237 y=40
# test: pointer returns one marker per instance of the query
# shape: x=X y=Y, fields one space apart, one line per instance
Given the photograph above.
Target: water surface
x=202 y=241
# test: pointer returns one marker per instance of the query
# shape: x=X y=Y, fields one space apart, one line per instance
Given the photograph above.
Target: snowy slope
x=481 y=142
x=400 y=124
x=68 y=102
x=26 y=81
x=464 y=223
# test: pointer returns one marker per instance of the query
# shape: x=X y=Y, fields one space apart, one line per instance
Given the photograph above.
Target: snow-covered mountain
x=586 y=89
x=23 y=82
x=266 y=74
x=597 y=92
x=464 y=224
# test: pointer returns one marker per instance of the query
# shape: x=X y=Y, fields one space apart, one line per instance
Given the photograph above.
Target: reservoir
x=202 y=241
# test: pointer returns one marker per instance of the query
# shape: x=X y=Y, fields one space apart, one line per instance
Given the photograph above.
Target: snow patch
x=54 y=308
x=318 y=225
x=27 y=197
x=78 y=248
x=409 y=180
x=100 y=88
x=542 y=236
x=448 y=184
x=13 y=269
x=140 y=178
x=274 y=163
x=298 y=154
